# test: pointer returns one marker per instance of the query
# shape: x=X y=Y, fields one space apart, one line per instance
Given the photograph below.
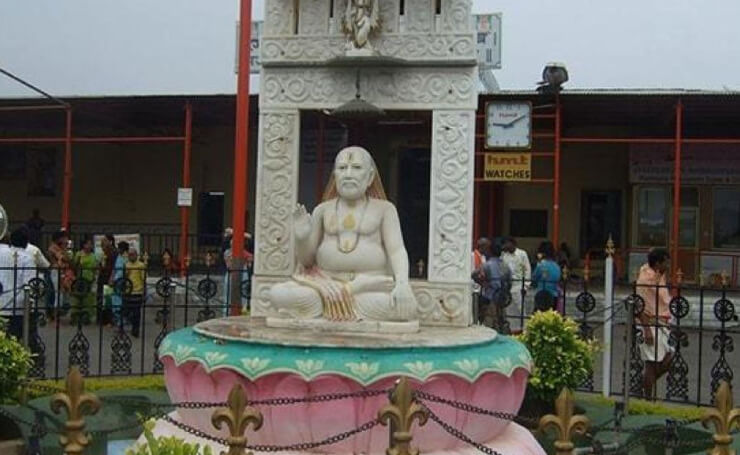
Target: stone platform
x=344 y=335
x=467 y=365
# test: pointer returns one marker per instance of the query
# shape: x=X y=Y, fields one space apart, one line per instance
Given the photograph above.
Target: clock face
x=509 y=124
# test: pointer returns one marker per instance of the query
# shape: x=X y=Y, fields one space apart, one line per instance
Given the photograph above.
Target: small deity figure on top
x=361 y=18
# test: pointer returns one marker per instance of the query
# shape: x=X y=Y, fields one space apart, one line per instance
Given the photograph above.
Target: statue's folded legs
x=295 y=300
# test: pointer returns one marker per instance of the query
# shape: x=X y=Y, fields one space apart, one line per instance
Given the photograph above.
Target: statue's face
x=353 y=173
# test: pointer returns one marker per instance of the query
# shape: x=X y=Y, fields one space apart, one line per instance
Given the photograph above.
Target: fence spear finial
x=724 y=417
x=78 y=404
x=237 y=416
x=566 y=424
x=400 y=413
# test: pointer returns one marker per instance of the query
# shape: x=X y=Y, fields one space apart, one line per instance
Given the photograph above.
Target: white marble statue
x=352 y=261
x=361 y=18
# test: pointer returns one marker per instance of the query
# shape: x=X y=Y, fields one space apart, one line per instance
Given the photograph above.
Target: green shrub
x=15 y=361
x=165 y=445
x=561 y=358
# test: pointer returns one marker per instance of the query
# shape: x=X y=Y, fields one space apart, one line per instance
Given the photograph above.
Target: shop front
x=709 y=214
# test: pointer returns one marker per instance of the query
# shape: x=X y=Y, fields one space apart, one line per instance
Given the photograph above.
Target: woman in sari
x=83 y=300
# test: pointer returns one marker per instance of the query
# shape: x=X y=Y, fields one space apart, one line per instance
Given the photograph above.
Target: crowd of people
x=79 y=284
x=503 y=274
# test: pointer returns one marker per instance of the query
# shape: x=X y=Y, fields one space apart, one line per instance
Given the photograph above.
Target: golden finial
x=724 y=417
x=237 y=416
x=145 y=258
x=166 y=260
x=610 y=250
x=78 y=404
x=566 y=273
x=725 y=279
x=400 y=413
x=679 y=276
x=566 y=424
x=187 y=261
x=209 y=259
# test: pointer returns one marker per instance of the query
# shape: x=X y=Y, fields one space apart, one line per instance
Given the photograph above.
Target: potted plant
x=561 y=359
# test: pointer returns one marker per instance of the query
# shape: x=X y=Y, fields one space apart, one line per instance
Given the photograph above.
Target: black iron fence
x=154 y=239
x=67 y=317
x=678 y=350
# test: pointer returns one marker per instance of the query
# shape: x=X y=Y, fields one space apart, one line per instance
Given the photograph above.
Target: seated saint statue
x=352 y=263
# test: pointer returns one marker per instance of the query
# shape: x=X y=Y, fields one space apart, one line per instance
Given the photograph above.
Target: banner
x=701 y=164
x=134 y=242
x=507 y=167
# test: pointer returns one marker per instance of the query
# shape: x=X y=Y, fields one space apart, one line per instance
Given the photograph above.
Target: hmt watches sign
x=507 y=167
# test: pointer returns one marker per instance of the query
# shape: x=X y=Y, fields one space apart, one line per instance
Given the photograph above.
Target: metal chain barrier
x=300 y=446
x=459 y=434
x=280 y=401
x=475 y=409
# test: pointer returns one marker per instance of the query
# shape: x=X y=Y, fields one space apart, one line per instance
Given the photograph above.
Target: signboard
x=254 y=56
x=488 y=40
x=701 y=164
x=507 y=167
x=134 y=242
x=184 y=197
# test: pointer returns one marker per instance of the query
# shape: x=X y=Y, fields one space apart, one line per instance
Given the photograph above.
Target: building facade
x=605 y=159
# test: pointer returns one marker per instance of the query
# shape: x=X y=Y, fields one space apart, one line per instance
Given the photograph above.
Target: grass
x=648 y=408
x=149 y=382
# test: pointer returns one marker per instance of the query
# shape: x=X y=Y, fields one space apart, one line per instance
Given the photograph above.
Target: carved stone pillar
x=280 y=17
x=277 y=193
x=451 y=204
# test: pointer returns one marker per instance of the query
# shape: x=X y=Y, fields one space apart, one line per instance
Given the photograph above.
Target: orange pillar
x=676 y=189
x=241 y=151
x=556 y=178
x=185 y=211
x=67 y=185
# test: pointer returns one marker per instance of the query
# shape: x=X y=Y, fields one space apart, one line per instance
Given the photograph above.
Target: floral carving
x=279 y=17
x=419 y=368
x=260 y=303
x=276 y=193
x=255 y=365
x=456 y=16
x=451 y=206
x=443 y=304
x=426 y=47
x=389 y=13
x=313 y=17
x=419 y=16
x=363 y=370
x=399 y=88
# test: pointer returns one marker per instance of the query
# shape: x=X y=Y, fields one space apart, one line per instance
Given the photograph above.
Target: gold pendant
x=349 y=221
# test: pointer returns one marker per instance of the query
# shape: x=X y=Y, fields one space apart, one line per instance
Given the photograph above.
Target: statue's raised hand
x=301 y=222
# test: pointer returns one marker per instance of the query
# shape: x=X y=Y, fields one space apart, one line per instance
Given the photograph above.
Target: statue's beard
x=351 y=190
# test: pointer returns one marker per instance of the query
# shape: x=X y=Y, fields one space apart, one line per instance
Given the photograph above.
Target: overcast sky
x=114 y=47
